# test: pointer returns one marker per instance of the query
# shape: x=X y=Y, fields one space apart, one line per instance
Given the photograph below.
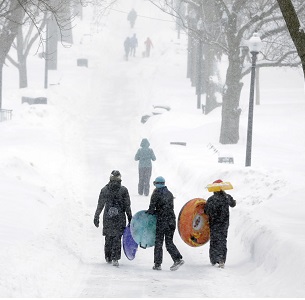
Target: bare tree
x=200 y=20
x=26 y=37
x=12 y=16
x=237 y=21
x=243 y=19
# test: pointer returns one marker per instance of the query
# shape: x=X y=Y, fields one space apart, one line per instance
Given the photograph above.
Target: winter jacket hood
x=145 y=155
x=145 y=143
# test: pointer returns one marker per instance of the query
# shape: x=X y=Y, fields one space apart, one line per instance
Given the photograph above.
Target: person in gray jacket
x=144 y=155
x=115 y=199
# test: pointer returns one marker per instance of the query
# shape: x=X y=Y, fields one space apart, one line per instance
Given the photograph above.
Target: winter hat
x=218 y=181
x=115 y=175
x=159 y=182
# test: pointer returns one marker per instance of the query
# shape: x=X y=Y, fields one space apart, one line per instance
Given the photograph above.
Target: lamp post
x=255 y=45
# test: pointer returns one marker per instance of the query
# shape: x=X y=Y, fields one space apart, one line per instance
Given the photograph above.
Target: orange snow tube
x=193 y=223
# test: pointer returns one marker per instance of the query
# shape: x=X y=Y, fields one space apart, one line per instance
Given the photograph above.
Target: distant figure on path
x=144 y=155
x=217 y=208
x=127 y=47
x=148 y=45
x=133 y=45
x=131 y=17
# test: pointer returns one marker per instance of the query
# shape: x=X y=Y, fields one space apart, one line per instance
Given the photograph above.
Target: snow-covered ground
x=55 y=158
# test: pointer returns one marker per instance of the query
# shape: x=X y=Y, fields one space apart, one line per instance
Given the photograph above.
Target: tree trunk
x=65 y=34
x=23 y=81
x=229 y=133
x=1 y=68
x=52 y=39
x=179 y=9
x=210 y=71
x=209 y=66
x=10 y=28
x=199 y=73
x=194 y=61
x=293 y=25
x=189 y=57
x=11 y=22
x=191 y=69
x=23 y=78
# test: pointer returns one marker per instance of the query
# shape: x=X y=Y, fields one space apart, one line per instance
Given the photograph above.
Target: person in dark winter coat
x=162 y=205
x=144 y=155
x=131 y=17
x=115 y=199
x=217 y=208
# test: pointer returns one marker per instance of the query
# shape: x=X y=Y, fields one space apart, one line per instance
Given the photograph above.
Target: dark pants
x=168 y=234
x=113 y=247
x=144 y=178
x=218 y=242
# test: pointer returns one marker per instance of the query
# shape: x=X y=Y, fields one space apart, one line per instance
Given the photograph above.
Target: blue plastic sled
x=143 y=229
x=130 y=247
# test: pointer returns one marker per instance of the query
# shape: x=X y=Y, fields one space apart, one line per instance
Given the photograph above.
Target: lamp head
x=255 y=43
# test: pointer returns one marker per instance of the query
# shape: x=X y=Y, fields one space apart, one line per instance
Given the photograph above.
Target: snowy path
x=135 y=278
x=112 y=132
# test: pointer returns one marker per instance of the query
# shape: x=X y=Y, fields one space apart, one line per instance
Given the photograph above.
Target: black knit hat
x=115 y=175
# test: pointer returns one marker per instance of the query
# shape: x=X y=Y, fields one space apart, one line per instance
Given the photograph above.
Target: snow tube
x=193 y=223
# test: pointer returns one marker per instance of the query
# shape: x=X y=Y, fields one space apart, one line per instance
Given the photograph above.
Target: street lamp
x=255 y=45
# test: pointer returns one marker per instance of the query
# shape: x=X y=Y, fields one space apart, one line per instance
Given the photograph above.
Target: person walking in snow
x=133 y=45
x=217 y=208
x=114 y=199
x=162 y=205
x=148 y=45
x=131 y=17
x=144 y=155
x=127 y=47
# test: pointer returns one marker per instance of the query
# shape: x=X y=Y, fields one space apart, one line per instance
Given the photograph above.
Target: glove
x=96 y=222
